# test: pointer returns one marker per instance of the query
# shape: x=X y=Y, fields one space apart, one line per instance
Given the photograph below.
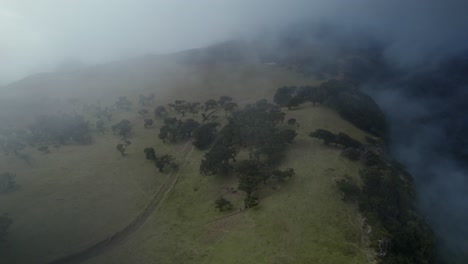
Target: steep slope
x=89 y=204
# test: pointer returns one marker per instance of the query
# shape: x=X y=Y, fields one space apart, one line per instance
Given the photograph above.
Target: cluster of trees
x=252 y=172
x=204 y=135
x=61 y=129
x=146 y=100
x=5 y=223
x=7 y=182
x=337 y=139
x=123 y=104
x=160 y=161
x=123 y=128
x=353 y=105
x=386 y=198
x=175 y=129
x=253 y=128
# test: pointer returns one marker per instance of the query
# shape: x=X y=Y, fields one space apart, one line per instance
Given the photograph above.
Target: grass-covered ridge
x=294 y=218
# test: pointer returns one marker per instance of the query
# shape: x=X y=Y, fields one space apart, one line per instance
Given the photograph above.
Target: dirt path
x=119 y=237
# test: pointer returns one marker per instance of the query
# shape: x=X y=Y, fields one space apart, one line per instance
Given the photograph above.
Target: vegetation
x=5 y=223
x=121 y=149
x=353 y=105
x=61 y=129
x=222 y=204
x=210 y=104
x=204 y=135
x=400 y=235
x=123 y=104
x=7 y=182
x=175 y=129
x=160 y=112
x=338 y=139
x=123 y=128
x=163 y=161
x=150 y=154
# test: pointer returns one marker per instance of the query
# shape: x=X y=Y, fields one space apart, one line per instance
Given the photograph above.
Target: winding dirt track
x=119 y=237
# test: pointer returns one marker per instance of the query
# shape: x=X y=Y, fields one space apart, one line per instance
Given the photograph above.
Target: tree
x=188 y=126
x=224 y=99
x=292 y=121
x=294 y=102
x=100 y=126
x=123 y=104
x=283 y=95
x=5 y=223
x=7 y=182
x=204 y=135
x=251 y=173
x=327 y=136
x=150 y=154
x=281 y=176
x=346 y=141
x=148 y=122
x=210 y=104
x=288 y=135
x=216 y=161
x=123 y=128
x=121 y=149
x=222 y=204
x=229 y=107
x=160 y=112
x=162 y=161
x=143 y=112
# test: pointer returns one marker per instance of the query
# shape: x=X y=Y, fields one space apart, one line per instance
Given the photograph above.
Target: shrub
x=351 y=153
x=222 y=204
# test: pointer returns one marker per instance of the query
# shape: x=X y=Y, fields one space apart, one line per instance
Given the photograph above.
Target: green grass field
x=78 y=195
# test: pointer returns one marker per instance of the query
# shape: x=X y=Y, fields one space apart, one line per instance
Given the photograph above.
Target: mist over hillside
x=411 y=57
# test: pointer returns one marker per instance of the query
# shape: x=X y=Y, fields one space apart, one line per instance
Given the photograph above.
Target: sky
x=38 y=35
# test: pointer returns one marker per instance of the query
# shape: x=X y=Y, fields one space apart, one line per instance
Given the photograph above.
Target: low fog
x=41 y=36
x=416 y=39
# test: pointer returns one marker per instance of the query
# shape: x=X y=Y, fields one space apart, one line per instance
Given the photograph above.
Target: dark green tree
x=210 y=104
x=327 y=136
x=7 y=182
x=204 y=135
x=223 y=100
x=150 y=154
x=123 y=104
x=163 y=161
x=5 y=223
x=123 y=128
x=160 y=112
x=283 y=95
x=121 y=149
x=223 y=204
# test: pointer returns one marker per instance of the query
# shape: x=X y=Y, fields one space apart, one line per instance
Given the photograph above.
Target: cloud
x=38 y=34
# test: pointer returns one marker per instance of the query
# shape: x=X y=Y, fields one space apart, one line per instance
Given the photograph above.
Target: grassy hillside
x=76 y=196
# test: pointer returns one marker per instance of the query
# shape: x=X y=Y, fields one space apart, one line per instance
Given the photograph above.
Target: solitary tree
x=165 y=160
x=150 y=154
x=121 y=149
